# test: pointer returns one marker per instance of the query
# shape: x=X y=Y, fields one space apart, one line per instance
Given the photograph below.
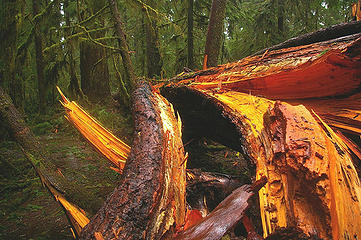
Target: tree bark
x=150 y=200
x=190 y=35
x=42 y=85
x=130 y=79
x=215 y=32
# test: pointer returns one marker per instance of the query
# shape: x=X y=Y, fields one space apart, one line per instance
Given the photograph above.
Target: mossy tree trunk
x=9 y=31
x=215 y=32
x=154 y=61
x=93 y=58
x=190 y=62
x=40 y=158
x=130 y=78
x=94 y=71
x=74 y=87
x=39 y=58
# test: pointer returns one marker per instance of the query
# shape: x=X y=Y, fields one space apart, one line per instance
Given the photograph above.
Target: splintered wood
x=312 y=183
x=313 y=188
x=300 y=75
x=115 y=150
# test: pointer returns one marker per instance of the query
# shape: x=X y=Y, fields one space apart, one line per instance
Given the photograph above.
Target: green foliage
x=255 y=24
x=42 y=128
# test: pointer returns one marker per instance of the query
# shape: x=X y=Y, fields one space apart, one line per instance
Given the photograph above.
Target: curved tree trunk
x=150 y=199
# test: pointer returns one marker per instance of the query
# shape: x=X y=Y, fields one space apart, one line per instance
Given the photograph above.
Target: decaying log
x=205 y=190
x=150 y=200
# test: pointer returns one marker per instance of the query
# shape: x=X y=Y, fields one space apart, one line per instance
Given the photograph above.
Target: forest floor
x=27 y=211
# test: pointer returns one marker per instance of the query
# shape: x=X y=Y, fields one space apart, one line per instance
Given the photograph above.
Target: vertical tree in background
x=154 y=61
x=215 y=32
x=39 y=59
x=190 y=61
x=280 y=17
x=124 y=52
x=9 y=31
x=93 y=60
x=74 y=87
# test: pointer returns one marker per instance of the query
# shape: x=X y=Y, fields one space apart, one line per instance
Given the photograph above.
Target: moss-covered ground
x=27 y=210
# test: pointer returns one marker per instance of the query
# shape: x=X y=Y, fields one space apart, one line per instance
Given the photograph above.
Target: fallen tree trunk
x=64 y=191
x=324 y=76
x=150 y=200
x=313 y=184
x=313 y=188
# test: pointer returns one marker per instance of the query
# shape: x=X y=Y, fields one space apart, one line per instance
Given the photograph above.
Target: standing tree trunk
x=74 y=87
x=190 y=61
x=94 y=71
x=93 y=62
x=42 y=85
x=130 y=77
x=9 y=31
x=215 y=32
x=154 y=61
x=280 y=17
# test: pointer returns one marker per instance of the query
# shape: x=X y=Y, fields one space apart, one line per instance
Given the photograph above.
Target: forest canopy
x=74 y=44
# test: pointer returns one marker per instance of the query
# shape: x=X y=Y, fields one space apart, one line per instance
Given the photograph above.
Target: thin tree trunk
x=74 y=87
x=215 y=32
x=280 y=17
x=42 y=85
x=190 y=62
x=130 y=78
